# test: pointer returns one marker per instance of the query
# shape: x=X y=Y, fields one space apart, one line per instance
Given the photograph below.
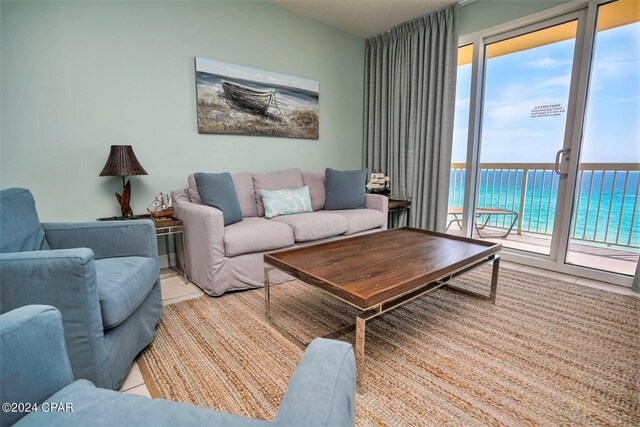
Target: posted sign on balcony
x=548 y=110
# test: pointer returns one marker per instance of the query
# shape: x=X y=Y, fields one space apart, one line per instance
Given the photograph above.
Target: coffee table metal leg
x=360 y=364
x=267 y=299
x=361 y=322
x=494 y=278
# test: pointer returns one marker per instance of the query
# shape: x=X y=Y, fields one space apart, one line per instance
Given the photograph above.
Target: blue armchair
x=34 y=369
x=102 y=276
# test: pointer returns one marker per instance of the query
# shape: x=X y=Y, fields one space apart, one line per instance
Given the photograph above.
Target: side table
x=168 y=226
x=396 y=206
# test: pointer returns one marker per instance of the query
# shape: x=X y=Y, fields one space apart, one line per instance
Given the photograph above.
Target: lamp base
x=124 y=199
x=125 y=218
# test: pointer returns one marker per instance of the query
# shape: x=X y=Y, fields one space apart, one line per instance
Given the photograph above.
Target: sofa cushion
x=317 y=190
x=315 y=182
x=286 y=202
x=243 y=182
x=290 y=178
x=123 y=283
x=255 y=235
x=345 y=189
x=314 y=225
x=20 y=228
x=217 y=190
x=361 y=219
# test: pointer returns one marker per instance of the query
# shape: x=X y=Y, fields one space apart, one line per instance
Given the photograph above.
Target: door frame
x=580 y=76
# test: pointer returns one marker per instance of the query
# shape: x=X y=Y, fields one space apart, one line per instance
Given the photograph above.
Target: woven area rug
x=548 y=353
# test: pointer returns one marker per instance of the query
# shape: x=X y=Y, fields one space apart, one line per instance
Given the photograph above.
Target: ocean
x=606 y=208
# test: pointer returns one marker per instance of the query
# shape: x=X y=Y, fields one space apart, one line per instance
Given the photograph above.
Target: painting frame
x=238 y=100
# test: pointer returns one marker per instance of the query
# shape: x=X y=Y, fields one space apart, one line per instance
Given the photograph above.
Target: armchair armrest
x=33 y=357
x=379 y=203
x=65 y=279
x=321 y=392
x=107 y=238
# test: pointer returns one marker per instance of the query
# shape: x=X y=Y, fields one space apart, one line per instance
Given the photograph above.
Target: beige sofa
x=221 y=259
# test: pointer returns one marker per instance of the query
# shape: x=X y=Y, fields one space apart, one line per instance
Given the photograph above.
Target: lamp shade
x=122 y=161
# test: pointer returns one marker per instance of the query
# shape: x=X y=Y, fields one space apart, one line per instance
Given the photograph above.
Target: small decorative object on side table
x=378 y=184
x=396 y=206
x=161 y=207
x=166 y=226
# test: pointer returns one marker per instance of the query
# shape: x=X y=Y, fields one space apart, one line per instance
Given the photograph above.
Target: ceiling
x=363 y=18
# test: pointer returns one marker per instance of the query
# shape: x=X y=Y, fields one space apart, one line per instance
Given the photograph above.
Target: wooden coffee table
x=381 y=271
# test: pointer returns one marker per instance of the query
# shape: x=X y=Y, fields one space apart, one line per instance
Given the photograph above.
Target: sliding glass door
x=605 y=222
x=526 y=93
x=552 y=167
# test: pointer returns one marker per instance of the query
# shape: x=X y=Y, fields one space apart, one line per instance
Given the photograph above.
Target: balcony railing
x=605 y=207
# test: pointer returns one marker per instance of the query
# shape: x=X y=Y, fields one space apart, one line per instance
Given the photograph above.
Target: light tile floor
x=568 y=278
x=174 y=290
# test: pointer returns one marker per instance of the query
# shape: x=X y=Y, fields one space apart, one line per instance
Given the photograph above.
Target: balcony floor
x=581 y=254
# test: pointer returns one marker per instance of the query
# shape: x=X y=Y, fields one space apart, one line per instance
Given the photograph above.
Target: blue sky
x=518 y=82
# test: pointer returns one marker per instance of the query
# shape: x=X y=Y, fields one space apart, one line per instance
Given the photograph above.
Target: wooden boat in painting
x=255 y=100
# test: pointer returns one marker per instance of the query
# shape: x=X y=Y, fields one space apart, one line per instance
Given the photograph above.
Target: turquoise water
x=605 y=202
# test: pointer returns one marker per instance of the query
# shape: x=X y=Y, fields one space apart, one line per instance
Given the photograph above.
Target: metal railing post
x=523 y=193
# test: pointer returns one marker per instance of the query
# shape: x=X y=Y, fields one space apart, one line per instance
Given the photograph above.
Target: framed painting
x=237 y=100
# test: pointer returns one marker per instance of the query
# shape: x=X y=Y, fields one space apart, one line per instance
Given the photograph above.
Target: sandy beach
x=219 y=114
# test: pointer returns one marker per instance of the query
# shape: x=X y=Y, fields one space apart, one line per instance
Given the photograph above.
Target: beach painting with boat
x=238 y=100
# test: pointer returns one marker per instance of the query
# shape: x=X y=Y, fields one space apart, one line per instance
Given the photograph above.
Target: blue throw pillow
x=345 y=189
x=217 y=190
x=286 y=202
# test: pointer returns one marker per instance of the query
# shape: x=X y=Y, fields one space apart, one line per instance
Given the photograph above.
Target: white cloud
x=547 y=62
x=616 y=65
x=508 y=113
x=515 y=134
x=462 y=103
x=520 y=145
x=512 y=104
x=563 y=80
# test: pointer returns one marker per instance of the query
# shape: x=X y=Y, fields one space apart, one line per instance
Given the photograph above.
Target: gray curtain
x=409 y=101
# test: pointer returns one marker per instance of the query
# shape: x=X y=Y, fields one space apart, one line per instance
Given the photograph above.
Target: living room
x=554 y=338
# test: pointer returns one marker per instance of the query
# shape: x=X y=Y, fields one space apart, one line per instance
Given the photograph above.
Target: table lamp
x=123 y=162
